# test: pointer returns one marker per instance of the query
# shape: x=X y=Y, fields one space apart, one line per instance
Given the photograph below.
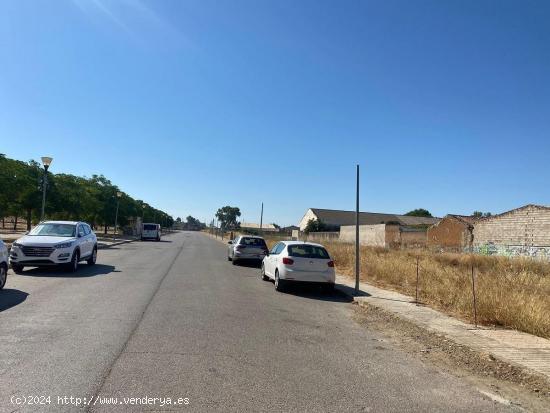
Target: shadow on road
x=155 y=241
x=351 y=291
x=83 y=271
x=317 y=293
x=248 y=263
x=10 y=298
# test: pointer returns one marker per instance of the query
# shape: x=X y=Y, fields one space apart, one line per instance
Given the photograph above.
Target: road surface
x=175 y=319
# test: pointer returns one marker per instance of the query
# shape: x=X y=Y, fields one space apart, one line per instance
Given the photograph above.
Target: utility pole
x=357 y=257
x=261 y=218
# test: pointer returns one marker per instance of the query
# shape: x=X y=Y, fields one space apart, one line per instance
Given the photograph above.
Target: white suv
x=50 y=243
x=3 y=264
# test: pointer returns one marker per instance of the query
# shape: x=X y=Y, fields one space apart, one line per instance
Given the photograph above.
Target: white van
x=150 y=231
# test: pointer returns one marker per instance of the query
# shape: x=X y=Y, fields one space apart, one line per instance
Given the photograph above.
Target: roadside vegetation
x=70 y=197
x=510 y=292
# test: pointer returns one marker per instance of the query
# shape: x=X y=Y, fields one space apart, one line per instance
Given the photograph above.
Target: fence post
x=417 y=276
x=474 y=295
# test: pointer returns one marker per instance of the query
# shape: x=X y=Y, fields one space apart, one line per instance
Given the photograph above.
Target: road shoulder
x=508 y=364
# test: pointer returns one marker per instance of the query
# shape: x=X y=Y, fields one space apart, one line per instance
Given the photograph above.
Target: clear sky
x=192 y=105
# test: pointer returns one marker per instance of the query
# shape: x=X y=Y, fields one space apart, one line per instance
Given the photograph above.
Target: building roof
x=252 y=225
x=340 y=218
x=533 y=206
x=467 y=219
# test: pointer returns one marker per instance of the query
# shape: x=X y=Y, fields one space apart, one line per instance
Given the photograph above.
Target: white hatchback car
x=297 y=261
x=50 y=243
x=3 y=264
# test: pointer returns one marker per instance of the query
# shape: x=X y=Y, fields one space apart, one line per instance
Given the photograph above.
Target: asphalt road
x=176 y=320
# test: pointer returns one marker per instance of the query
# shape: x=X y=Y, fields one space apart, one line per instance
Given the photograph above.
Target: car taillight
x=288 y=261
x=330 y=263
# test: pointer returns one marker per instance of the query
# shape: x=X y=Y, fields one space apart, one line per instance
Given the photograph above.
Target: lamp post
x=46 y=162
x=118 y=195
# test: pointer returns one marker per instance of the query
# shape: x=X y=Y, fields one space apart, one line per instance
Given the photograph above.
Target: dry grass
x=512 y=293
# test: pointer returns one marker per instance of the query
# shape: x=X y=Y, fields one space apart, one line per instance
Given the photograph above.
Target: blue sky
x=192 y=105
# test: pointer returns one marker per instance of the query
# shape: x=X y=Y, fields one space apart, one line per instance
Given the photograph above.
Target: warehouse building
x=334 y=219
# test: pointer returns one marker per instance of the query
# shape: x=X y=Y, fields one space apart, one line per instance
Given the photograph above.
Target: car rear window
x=254 y=242
x=307 y=251
x=149 y=227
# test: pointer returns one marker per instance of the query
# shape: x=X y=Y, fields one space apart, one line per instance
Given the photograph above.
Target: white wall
x=309 y=215
x=373 y=235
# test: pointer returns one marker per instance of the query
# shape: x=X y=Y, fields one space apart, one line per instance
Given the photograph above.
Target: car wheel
x=264 y=277
x=93 y=258
x=279 y=284
x=18 y=269
x=3 y=275
x=228 y=258
x=73 y=265
x=234 y=261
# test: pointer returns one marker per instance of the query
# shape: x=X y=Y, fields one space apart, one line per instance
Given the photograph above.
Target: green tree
x=194 y=224
x=227 y=216
x=29 y=197
x=315 y=225
x=419 y=212
x=479 y=214
x=93 y=200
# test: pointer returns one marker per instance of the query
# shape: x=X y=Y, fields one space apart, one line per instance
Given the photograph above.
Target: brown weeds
x=511 y=292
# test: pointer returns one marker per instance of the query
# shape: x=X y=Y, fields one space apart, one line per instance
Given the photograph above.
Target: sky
x=193 y=105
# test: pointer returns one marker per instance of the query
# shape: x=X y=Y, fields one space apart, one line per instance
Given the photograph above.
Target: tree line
x=191 y=224
x=69 y=197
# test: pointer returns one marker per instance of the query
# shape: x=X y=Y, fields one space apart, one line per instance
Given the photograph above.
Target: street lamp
x=118 y=195
x=46 y=161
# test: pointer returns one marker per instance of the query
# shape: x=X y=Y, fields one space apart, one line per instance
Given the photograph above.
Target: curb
x=522 y=350
x=347 y=291
x=101 y=246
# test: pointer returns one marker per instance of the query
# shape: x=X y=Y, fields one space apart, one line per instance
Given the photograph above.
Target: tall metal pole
x=262 y=218
x=474 y=295
x=357 y=234
x=44 y=184
x=46 y=161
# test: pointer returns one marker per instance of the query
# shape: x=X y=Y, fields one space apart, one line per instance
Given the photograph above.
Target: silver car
x=246 y=247
x=3 y=264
